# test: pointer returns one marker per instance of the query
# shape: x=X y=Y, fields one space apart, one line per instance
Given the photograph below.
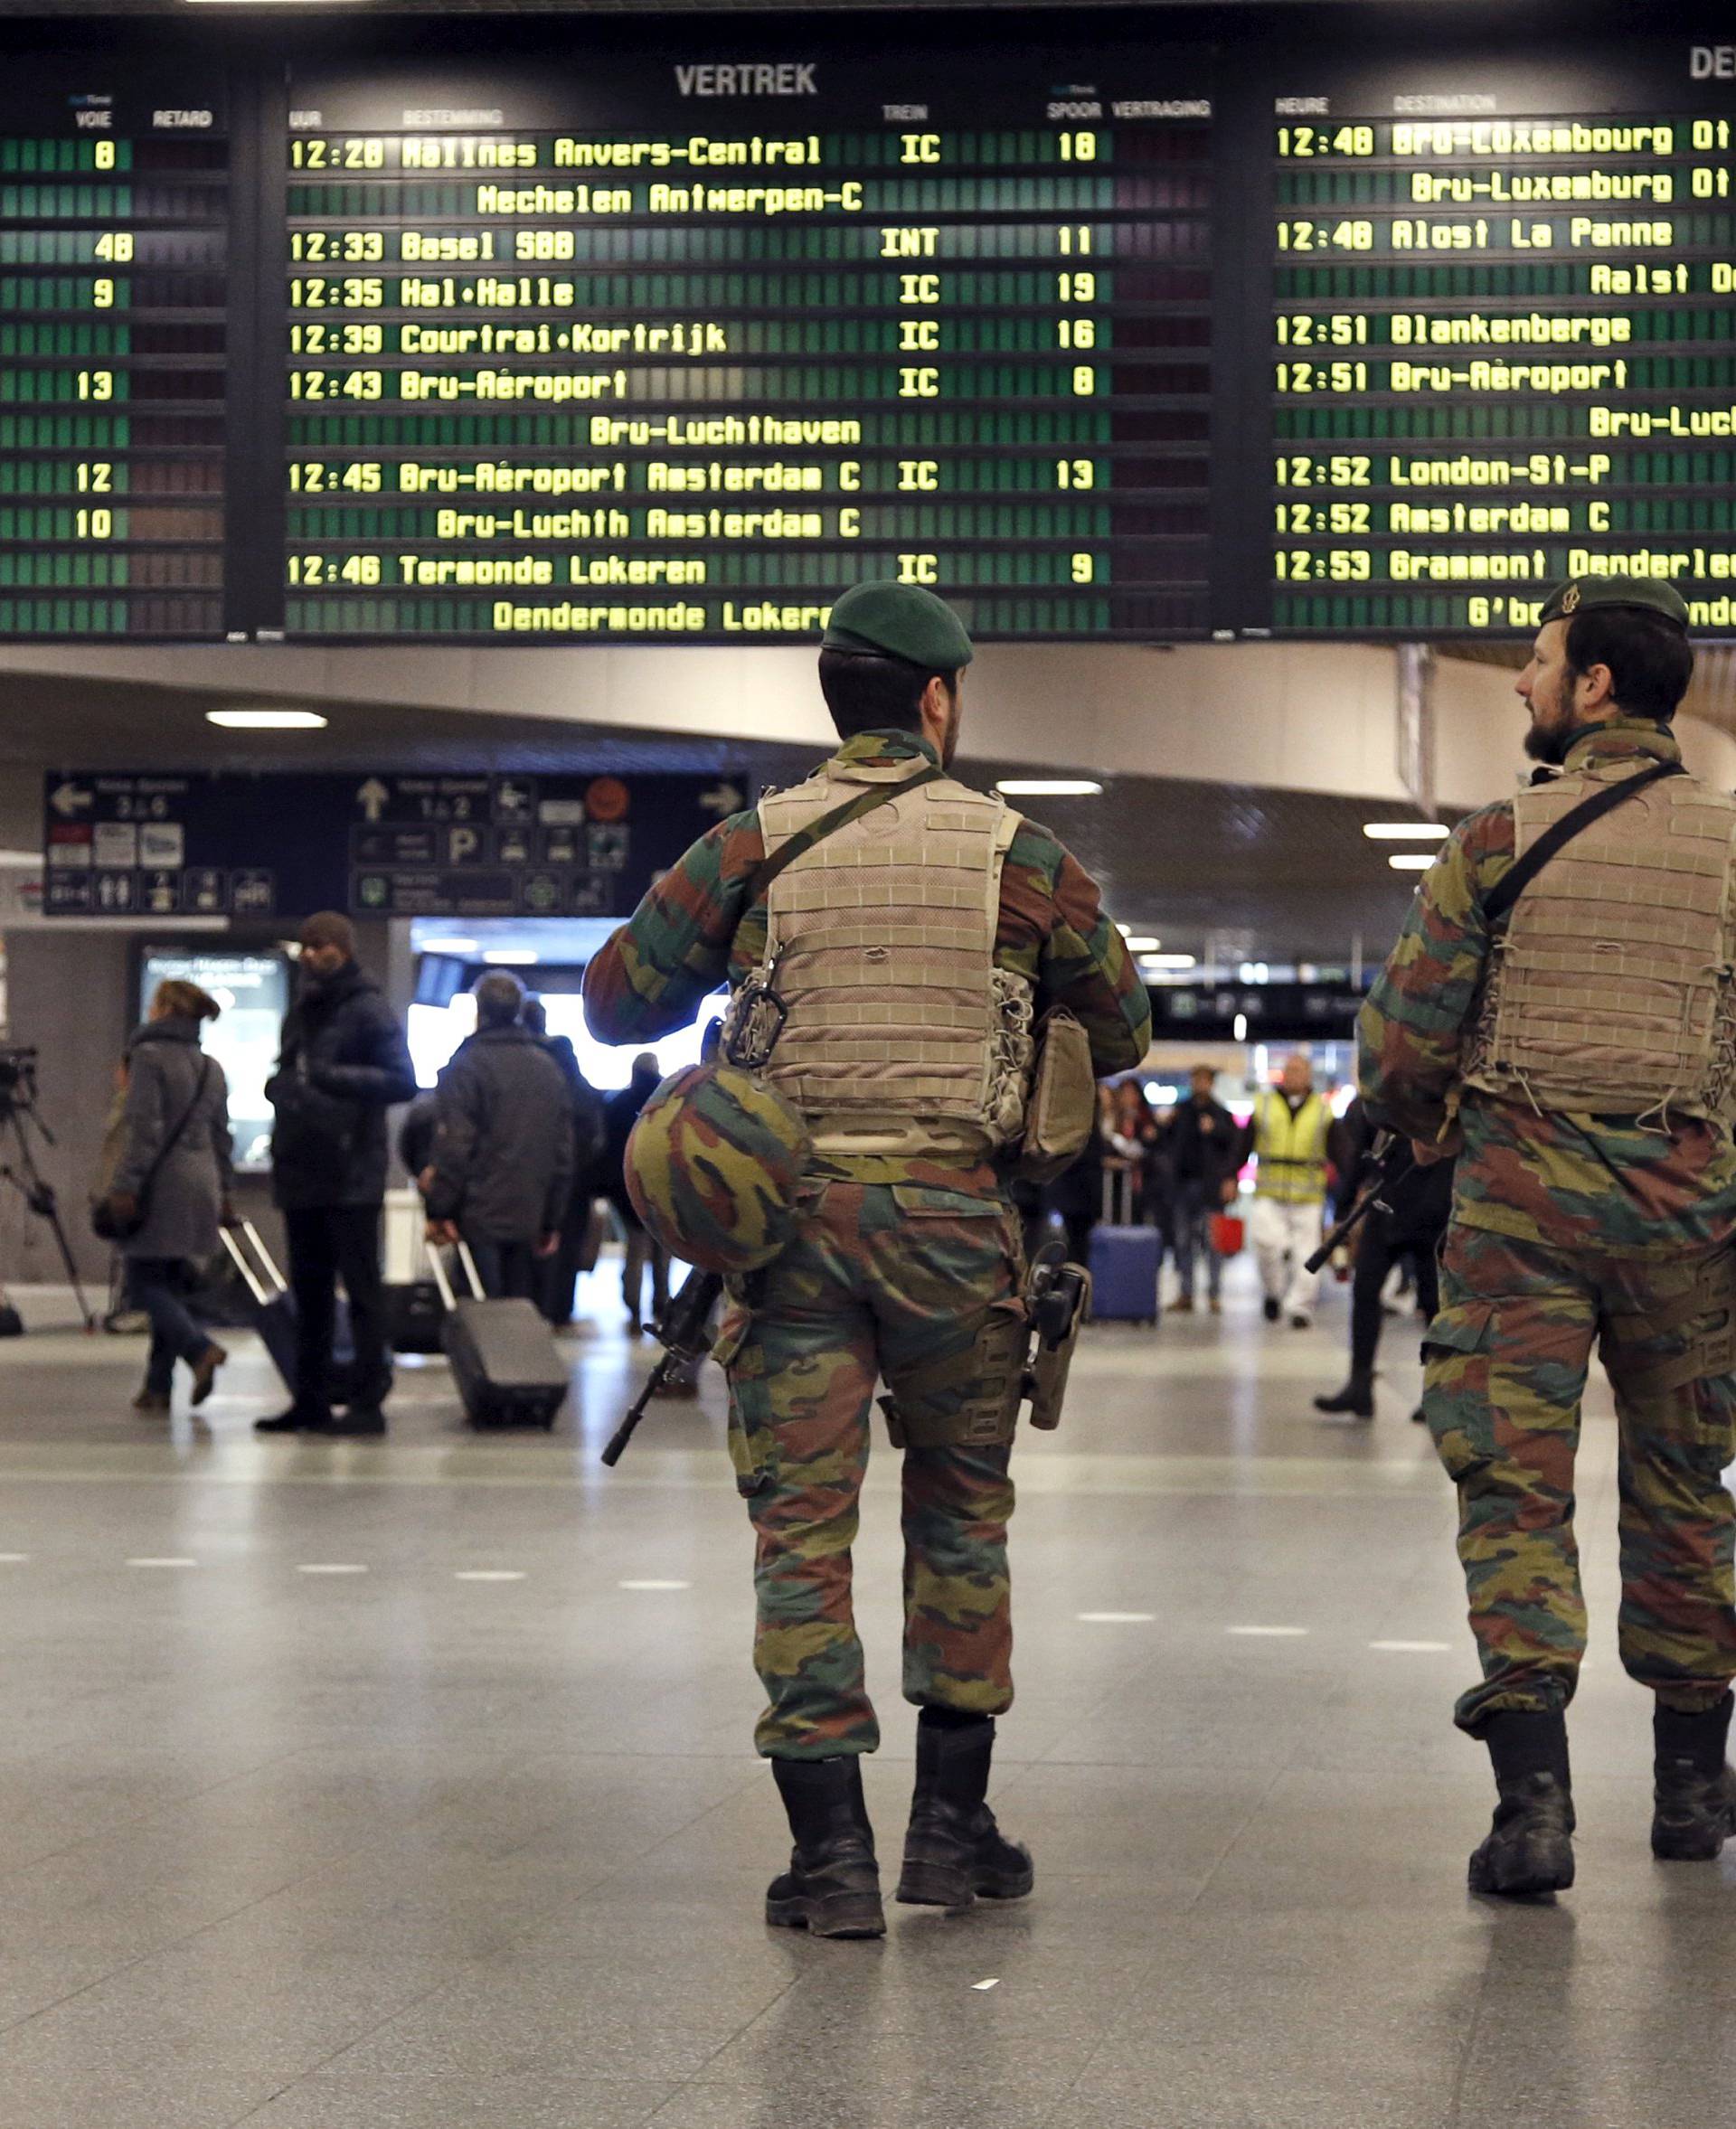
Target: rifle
x=1393 y=1161
x=682 y=1331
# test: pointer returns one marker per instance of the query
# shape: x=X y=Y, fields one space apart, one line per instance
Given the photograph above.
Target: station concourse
x=434 y=439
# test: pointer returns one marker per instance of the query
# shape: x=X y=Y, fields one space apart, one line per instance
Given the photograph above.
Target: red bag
x=1228 y=1233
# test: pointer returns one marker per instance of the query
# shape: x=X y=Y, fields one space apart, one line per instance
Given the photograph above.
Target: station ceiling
x=1227 y=871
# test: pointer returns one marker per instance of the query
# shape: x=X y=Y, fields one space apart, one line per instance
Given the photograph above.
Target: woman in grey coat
x=168 y=1077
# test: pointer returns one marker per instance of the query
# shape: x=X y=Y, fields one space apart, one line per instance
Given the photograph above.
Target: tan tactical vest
x=902 y=1036
x=1611 y=990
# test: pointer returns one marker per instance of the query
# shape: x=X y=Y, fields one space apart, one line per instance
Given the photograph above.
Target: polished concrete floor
x=409 y=1786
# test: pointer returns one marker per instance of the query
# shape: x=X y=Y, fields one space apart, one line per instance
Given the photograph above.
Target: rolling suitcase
x=1124 y=1266
x=272 y=1312
x=505 y=1359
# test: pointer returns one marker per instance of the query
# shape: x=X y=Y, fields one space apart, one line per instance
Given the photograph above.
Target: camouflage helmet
x=713 y=1166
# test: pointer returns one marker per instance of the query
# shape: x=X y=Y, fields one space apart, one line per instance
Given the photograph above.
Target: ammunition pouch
x=1062 y=1105
x=1705 y=1313
x=967 y=1400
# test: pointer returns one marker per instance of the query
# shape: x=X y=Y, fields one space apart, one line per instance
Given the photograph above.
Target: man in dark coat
x=503 y=1145
x=342 y=1065
x=562 y=1271
x=1422 y=1204
x=620 y=1113
x=1204 y=1144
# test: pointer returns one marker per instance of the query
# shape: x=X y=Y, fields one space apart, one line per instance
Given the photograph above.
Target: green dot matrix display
x=613 y=337
x=663 y=354
x=113 y=320
x=1503 y=342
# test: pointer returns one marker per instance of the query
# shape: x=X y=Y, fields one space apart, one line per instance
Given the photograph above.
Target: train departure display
x=113 y=427
x=665 y=330
x=673 y=350
x=1503 y=340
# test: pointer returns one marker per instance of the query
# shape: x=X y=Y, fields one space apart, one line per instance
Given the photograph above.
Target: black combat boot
x=1530 y=1847
x=832 y=1886
x=1357 y=1396
x=954 y=1850
x=1695 y=1791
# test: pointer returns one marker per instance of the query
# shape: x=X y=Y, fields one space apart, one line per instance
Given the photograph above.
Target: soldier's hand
x=1427 y=1152
x=548 y=1245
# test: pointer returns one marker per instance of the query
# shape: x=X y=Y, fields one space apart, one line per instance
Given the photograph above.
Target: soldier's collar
x=889 y=757
x=1619 y=736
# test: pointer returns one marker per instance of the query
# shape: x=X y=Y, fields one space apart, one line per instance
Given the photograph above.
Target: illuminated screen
x=647 y=350
x=435 y=1031
x=1502 y=340
x=113 y=430
x=254 y=989
x=665 y=333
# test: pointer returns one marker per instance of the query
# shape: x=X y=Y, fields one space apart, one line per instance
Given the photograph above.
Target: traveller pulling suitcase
x=505 y=1359
x=272 y=1312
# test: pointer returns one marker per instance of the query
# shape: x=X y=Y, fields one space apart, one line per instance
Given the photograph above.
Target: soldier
x=905 y=951
x=1559 y=1010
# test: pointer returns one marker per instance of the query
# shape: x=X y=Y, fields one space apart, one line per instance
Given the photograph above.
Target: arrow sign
x=722 y=799
x=67 y=800
x=373 y=798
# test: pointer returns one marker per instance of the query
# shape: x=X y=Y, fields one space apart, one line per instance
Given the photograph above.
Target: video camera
x=17 y=1078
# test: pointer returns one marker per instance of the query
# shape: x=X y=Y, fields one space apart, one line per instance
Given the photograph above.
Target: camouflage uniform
x=1567 y=1229
x=898 y=1263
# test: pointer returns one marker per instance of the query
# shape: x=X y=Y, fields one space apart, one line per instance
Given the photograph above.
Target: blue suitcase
x=1124 y=1274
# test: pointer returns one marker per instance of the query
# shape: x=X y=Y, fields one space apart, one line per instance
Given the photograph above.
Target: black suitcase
x=505 y=1359
x=415 y=1316
x=272 y=1314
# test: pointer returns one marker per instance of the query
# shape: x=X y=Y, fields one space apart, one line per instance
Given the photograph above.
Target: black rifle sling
x=1514 y=881
x=840 y=817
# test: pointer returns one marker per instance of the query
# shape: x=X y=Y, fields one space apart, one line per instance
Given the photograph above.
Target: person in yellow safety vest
x=1287 y=1134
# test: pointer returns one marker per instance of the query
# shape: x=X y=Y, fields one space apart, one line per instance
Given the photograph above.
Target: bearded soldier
x=896 y=932
x=1559 y=1007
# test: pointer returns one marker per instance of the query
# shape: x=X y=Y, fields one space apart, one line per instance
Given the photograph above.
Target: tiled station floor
x=409 y=1786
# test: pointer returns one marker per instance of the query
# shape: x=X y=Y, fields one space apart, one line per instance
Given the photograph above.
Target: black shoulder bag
x=107 y=1223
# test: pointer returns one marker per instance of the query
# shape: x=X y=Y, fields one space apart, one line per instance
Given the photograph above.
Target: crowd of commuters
x=514 y=1151
x=510 y=1152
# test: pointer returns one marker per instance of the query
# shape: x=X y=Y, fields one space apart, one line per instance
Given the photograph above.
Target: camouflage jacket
x=695 y=930
x=1571 y=1181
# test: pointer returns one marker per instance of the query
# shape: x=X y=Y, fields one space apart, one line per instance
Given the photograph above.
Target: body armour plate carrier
x=1610 y=992
x=901 y=1034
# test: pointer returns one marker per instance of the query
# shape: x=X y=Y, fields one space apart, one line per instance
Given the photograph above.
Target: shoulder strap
x=173 y=1139
x=1514 y=881
x=828 y=824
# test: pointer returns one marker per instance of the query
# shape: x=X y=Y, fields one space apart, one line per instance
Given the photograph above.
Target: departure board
x=664 y=332
x=673 y=349
x=113 y=427
x=1502 y=337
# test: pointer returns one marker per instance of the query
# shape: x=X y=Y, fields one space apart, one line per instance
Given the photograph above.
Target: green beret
x=1650 y=595
x=903 y=620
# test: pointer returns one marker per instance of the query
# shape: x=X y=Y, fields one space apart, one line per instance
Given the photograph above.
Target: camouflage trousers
x=881 y=1280
x=1506 y=1363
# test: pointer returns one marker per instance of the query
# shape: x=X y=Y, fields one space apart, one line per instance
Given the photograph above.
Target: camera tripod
x=18 y=1168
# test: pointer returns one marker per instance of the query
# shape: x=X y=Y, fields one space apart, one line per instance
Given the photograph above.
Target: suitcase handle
x=436 y=1264
x=263 y=1289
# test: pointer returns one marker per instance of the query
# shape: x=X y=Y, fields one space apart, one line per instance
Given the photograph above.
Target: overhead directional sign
x=464 y=845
